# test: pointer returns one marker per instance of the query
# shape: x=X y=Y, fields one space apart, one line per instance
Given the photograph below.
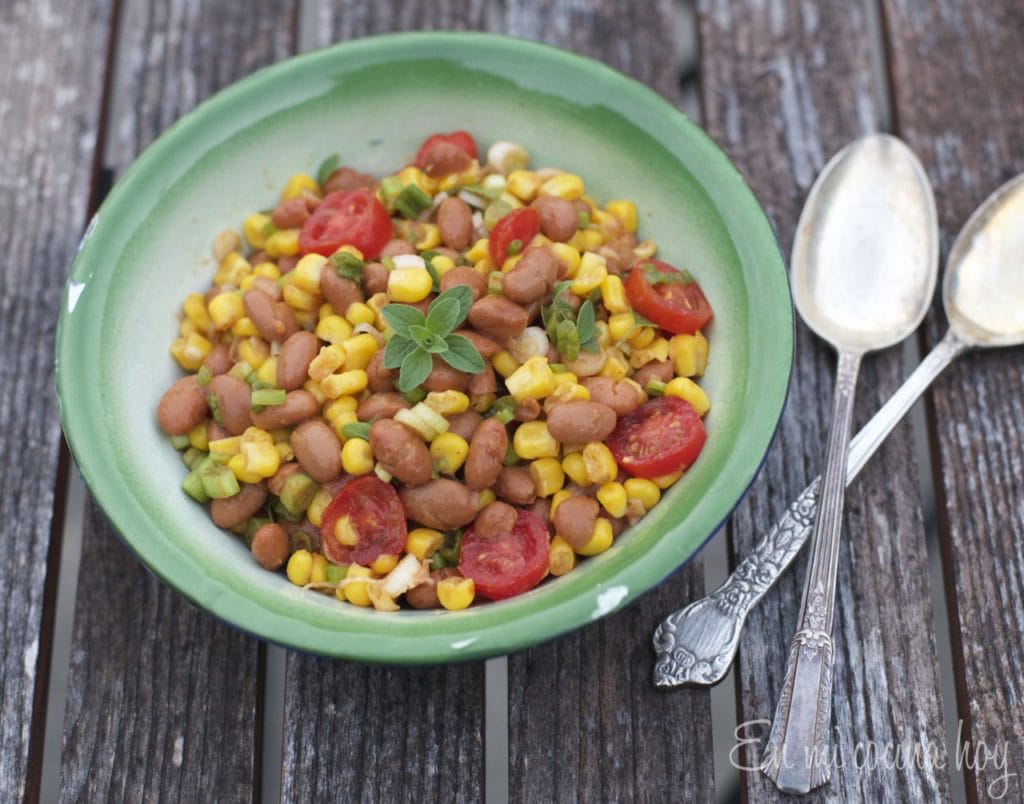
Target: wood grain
x=162 y=699
x=785 y=85
x=49 y=119
x=381 y=733
x=585 y=720
x=965 y=116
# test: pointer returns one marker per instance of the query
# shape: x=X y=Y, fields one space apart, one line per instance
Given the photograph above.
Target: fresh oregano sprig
x=419 y=337
x=568 y=329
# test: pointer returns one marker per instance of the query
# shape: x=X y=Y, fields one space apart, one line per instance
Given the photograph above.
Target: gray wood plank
x=383 y=733
x=52 y=62
x=965 y=116
x=785 y=85
x=163 y=701
x=585 y=720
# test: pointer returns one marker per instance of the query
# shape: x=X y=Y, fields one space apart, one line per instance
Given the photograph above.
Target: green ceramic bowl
x=374 y=100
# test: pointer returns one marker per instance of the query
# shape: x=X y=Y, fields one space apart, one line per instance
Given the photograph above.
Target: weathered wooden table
x=157 y=700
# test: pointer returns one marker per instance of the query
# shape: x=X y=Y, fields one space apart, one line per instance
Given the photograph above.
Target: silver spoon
x=983 y=296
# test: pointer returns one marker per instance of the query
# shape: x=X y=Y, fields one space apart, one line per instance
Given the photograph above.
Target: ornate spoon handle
x=696 y=644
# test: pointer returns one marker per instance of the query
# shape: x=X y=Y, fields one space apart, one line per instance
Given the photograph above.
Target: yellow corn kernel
x=568 y=256
x=268 y=270
x=478 y=251
x=576 y=469
x=357 y=593
x=689 y=354
x=621 y=325
x=561 y=557
x=359 y=349
x=253 y=350
x=285 y=451
x=357 y=457
x=247 y=283
x=540 y=240
x=613 y=499
x=599 y=462
x=485 y=498
x=656 y=351
x=450 y=181
x=267 y=372
x=424 y=420
x=306 y=319
x=548 y=476
x=586 y=240
x=613 y=294
x=306 y=273
x=447 y=403
x=523 y=184
x=645 y=250
x=299 y=299
x=665 y=481
x=504 y=364
x=602 y=335
x=423 y=542
x=191 y=351
x=345 y=404
x=442 y=264
x=224 y=242
x=624 y=212
x=615 y=366
x=299 y=566
x=564 y=185
x=317 y=506
x=254 y=228
x=590 y=274
x=427 y=236
x=197 y=437
x=195 y=310
x=484 y=267
x=298 y=183
x=556 y=500
x=605 y=221
x=567 y=378
x=533 y=440
x=686 y=389
x=409 y=285
x=256 y=435
x=338 y=425
x=318 y=573
x=359 y=313
x=243 y=327
x=456 y=593
x=225 y=309
x=642 y=490
x=448 y=451
x=413 y=175
x=328 y=360
x=510 y=263
x=186 y=328
x=232 y=270
x=483 y=402
x=282 y=243
x=261 y=459
x=324 y=311
x=384 y=563
x=334 y=329
x=600 y=538
x=227 y=446
x=532 y=380
x=237 y=465
x=347 y=383
x=642 y=337
x=313 y=387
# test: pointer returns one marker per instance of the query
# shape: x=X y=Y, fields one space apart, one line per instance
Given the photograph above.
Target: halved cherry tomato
x=519 y=224
x=510 y=564
x=662 y=436
x=670 y=298
x=461 y=139
x=347 y=218
x=376 y=517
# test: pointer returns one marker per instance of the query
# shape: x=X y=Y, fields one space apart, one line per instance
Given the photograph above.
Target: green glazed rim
x=569 y=110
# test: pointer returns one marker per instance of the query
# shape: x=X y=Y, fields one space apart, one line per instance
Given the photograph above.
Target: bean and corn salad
x=438 y=386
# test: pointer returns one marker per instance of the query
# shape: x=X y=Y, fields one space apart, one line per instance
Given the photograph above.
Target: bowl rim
x=464 y=635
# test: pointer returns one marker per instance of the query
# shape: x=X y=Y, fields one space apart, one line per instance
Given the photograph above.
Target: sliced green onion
x=490 y=193
x=348 y=265
x=656 y=387
x=179 y=442
x=356 y=430
x=253 y=524
x=193 y=487
x=327 y=167
x=335 y=572
x=263 y=397
x=437 y=561
x=204 y=375
x=411 y=201
x=279 y=508
x=390 y=187
x=298 y=492
x=220 y=458
x=191 y=457
x=415 y=395
x=388 y=263
x=452 y=547
x=504 y=409
x=300 y=540
x=212 y=401
x=582 y=220
x=558 y=368
x=495 y=283
x=494 y=213
x=241 y=370
x=268 y=229
x=510 y=458
x=219 y=482
x=435 y=280
x=515 y=247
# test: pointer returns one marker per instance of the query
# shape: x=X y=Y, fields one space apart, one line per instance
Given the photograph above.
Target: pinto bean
x=382 y=405
x=455 y=222
x=443 y=158
x=464 y=275
x=443 y=377
x=574 y=520
x=660 y=370
x=483 y=383
x=287 y=263
x=182 y=407
x=290 y=213
x=270 y=546
x=618 y=253
x=276 y=482
x=542 y=507
x=397 y=246
x=375 y=278
x=339 y=291
x=317 y=450
x=498 y=317
x=622 y=396
x=298 y=406
x=440 y=504
x=496 y=519
x=486 y=453
x=618 y=525
x=424 y=596
x=218 y=361
x=587 y=364
x=378 y=378
x=531 y=277
x=214 y=432
x=558 y=217
x=268 y=286
x=580 y=421
x=401 y=451
x=234 y=399
x=345 y=178
x=527 y=410
x=260 y=308
x=487 y=347
x=234 y=510
x=464 y=424
x=294 y=358
x=515 y=485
